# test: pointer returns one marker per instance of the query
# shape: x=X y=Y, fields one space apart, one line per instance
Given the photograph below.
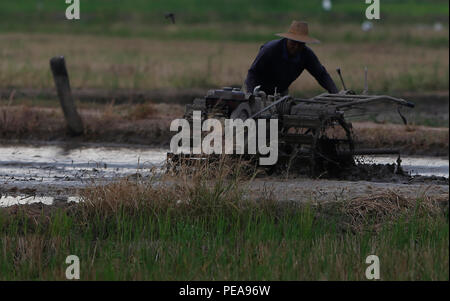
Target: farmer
x=280 y=62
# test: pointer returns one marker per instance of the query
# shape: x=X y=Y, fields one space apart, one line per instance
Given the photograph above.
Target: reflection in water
x=26 y=200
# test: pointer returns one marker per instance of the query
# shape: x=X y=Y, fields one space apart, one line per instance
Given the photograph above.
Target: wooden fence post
x=61 y=77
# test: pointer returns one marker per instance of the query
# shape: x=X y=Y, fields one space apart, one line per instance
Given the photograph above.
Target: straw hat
x=298 y=31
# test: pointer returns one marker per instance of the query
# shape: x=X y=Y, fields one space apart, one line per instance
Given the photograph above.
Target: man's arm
x=318 y=71
x=256 y=72
x=251 y=81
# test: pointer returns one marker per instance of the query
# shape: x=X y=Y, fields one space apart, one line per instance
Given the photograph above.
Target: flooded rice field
x=49 y=173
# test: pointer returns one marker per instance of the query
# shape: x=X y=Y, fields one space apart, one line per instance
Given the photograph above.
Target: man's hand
x=347 y=92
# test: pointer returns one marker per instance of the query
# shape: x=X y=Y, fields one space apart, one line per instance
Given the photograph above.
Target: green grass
x=146 y=18
x=252 y=245
x=130 y=230
x=248 y=246
x=204 y=11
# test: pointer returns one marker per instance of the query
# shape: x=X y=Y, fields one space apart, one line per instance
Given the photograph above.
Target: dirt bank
x=309 y=190
x=104 y=96
x=148 y=124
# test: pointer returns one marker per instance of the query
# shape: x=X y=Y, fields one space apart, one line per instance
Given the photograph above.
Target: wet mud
x=56 y=173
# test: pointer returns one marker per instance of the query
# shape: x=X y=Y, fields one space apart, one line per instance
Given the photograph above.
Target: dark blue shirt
x=273 y=68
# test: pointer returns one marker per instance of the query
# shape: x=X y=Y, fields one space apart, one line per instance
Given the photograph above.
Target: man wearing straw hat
x=280 y=62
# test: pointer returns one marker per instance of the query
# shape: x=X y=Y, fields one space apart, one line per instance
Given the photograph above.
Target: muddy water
x=51 y=173
x=44 y=167
x=69 y=166
x=425 y=166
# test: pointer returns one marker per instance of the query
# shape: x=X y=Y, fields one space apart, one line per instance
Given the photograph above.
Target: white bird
x=367 y=26
x=326 y=5
x=438 y=26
